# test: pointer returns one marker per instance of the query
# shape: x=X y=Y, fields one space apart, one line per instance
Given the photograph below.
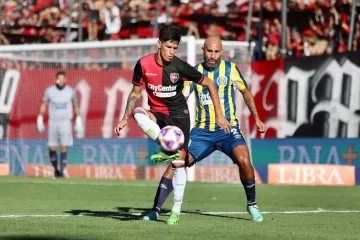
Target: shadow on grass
x=122 y=214
x=133 y=213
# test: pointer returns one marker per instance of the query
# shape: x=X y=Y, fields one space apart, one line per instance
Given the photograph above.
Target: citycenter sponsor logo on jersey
x=162 y=91
x=151 y=74
x=206 y=99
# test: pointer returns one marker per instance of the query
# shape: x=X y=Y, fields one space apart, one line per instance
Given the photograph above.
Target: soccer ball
x=171 y=138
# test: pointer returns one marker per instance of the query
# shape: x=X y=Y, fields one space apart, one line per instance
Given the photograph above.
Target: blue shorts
x=203 y=142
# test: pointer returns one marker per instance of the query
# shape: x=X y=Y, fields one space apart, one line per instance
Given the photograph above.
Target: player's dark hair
x=60 y=73
x=170 y=32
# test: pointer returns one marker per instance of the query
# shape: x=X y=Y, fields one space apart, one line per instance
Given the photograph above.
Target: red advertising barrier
x=102 y=98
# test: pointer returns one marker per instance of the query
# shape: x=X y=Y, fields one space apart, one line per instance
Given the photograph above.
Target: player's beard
x=60 y=87
x=211 y=65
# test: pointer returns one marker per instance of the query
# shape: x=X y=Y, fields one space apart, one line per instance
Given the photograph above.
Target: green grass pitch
x=39 y=208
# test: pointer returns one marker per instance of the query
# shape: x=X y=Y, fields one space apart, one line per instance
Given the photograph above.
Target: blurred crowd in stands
x=315 y=27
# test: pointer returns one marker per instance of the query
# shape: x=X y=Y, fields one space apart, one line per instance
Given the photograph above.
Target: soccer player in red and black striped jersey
x=163 y=75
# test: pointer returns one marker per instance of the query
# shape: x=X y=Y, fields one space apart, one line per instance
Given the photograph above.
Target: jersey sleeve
x=237 y=77
x=137 y=78
x=190 y=73
x=188 y=89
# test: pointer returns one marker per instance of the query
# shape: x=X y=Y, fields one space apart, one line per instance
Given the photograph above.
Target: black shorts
x=181 y=122
x=107 y=36
x=94 y=16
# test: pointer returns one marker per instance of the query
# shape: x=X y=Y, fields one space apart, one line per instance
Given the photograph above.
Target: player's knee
x=140 y=110
x=242 y=160
x=140 y=115
x=53 y=148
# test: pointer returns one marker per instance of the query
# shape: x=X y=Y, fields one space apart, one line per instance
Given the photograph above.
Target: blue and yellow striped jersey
x=227 y=77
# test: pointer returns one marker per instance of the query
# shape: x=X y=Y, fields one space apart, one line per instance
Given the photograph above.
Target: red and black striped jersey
x=164 y=84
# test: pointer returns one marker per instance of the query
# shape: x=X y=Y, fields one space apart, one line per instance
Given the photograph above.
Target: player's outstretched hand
x=223 y=123
x=120 y=126
x=261 y=126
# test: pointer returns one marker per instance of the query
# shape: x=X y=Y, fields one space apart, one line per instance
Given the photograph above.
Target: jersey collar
x=156 y=60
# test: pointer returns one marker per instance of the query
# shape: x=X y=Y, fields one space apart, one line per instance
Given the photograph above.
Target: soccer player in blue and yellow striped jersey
x=207 y=136
x=226 y=77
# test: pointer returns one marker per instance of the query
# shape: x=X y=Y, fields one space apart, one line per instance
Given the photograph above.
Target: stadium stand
x=315 y=27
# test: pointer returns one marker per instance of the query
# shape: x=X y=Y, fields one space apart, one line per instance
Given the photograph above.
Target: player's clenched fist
x=120 y=126
x=260 y=125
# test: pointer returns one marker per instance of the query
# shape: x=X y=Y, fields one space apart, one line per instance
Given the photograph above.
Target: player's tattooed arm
x=130 y=106
x=132 y=100
x=250 y=103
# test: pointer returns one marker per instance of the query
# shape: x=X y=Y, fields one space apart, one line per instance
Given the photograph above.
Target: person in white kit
x=62 y=103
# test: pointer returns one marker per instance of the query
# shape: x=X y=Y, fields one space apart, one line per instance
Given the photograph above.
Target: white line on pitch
x=286 y=212
x=66 y=182
x=80 y=183
x=204 y=213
